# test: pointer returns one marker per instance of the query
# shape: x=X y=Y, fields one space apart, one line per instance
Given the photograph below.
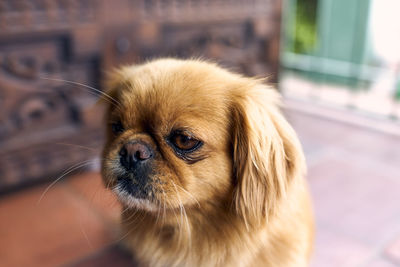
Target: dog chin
x=133 y=202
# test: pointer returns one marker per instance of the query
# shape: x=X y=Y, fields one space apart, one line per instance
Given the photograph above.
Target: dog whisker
x=85 y=235
x=177 y=220
x=129 y=221
x=158 y=211
x=188 y=194
x=162 y=205
x=66 y=172
x=78 y=146
x=125 y=210
x=125 y=235
x=102 y=94
x=183 y=213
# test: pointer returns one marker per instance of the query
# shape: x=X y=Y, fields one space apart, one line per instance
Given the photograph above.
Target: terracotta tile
x=317 y=132
x=376 y=146
x=333 y=250
x=58 y=229
x=91 y=188
x=316 y=127
x=392 y=251
x=319 y=137
x=112 y=256
x=358 y=200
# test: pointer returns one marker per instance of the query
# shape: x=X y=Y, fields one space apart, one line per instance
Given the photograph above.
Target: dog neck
x=176 y=234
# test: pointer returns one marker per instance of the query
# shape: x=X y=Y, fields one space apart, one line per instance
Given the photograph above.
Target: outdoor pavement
x=354 y=178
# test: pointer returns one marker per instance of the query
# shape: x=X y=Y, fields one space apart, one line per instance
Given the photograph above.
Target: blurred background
x=336 y=63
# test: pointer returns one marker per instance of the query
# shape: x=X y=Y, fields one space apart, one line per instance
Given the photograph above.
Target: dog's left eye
x=184 y=142
x=117 y=127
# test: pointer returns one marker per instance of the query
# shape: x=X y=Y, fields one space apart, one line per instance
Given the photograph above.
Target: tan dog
x=207 y=169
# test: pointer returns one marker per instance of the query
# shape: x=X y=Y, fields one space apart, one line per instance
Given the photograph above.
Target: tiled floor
x=354 y=177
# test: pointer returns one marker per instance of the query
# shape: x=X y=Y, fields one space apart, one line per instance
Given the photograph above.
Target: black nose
x=132 y=154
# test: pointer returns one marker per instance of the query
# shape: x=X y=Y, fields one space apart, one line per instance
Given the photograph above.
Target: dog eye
x=117 y=127
x=185 y=142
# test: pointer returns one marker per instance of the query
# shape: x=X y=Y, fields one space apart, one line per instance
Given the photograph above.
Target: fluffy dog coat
x=219 y=180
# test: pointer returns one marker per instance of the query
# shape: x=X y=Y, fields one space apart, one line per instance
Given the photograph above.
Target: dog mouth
x=134 y=195
x=128 y=186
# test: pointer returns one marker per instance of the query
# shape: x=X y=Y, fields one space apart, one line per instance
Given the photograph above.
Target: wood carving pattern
x=39 y=113
x=43 y=160
x=77 y=40
x=201 y=10
x=25 y=15
x=232 y=45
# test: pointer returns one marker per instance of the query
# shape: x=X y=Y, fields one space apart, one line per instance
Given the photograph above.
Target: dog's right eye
x=184 y=143
x=117 y=127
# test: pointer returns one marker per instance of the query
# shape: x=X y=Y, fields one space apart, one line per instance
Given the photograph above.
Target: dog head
x=185 y=132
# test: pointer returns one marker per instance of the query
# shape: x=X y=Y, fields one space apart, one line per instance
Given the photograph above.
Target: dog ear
x=266 y=153
x=115 y=80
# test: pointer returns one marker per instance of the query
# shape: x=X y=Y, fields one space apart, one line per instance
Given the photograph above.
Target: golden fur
x=239 y=200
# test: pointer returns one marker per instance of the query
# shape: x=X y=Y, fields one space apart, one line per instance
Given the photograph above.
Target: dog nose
x=133 y=153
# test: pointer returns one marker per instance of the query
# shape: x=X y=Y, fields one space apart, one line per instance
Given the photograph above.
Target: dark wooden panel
x=48 y=125
x=25 y=16
x=40 y=116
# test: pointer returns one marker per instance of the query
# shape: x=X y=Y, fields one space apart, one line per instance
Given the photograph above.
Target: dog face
x=186 y=132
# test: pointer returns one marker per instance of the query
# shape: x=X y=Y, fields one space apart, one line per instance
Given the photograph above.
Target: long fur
x=244 y=203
